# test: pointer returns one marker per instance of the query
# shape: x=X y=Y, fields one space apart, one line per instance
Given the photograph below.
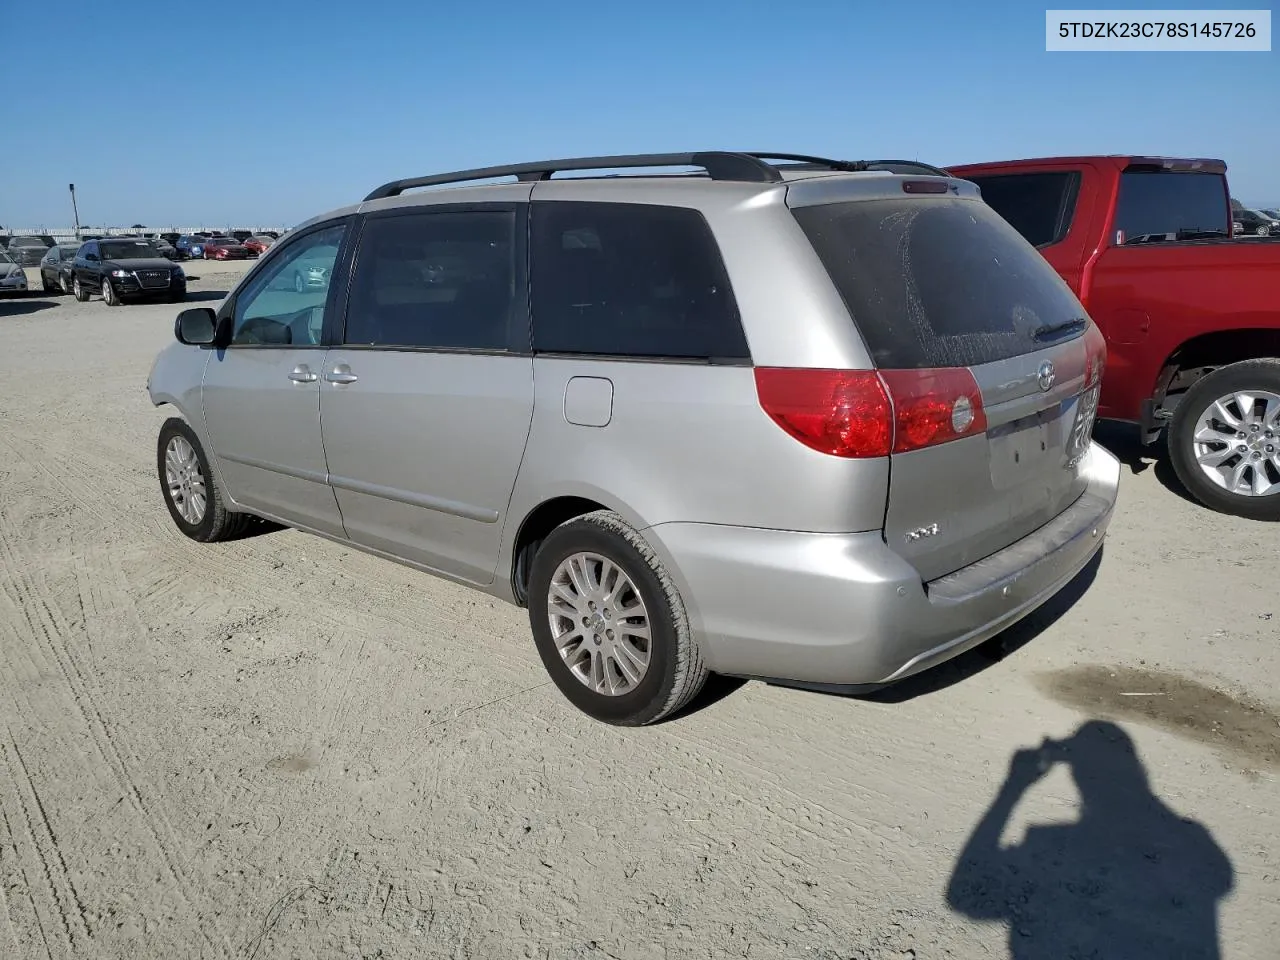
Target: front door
x=262 y=391
x=427 y=401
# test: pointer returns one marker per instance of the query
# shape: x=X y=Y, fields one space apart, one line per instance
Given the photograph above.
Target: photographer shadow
x=1130 y=878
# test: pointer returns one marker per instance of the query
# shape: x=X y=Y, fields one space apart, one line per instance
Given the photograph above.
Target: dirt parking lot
x=283 y=748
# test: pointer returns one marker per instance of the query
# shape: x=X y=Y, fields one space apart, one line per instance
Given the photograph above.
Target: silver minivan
x=784 y=418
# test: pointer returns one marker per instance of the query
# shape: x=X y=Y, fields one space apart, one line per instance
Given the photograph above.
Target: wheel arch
x=535 y=527
x=1198 y=356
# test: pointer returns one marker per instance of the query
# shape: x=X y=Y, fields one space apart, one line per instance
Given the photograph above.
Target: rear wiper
x=1051 y=329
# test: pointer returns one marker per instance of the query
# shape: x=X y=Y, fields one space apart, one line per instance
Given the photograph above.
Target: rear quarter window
x=630 y=280
x=1038 y=205
x=938 y=282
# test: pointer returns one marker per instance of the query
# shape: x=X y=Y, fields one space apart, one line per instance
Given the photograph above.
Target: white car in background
x=12 y=277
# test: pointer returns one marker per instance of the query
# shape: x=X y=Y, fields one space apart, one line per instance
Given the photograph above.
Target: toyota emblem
x=1046 y=375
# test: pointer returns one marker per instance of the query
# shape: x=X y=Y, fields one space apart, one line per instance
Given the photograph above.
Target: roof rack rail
x=814 y=163
x=908 y=166
x=719 y=164
x=802 y=162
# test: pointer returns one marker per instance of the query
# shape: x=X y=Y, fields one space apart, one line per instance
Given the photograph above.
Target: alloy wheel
x=185 y=480
x=1237 y=443
x=599 y=624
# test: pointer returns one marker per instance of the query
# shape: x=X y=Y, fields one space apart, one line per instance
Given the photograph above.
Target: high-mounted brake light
x=868 y=413
x=925 y=186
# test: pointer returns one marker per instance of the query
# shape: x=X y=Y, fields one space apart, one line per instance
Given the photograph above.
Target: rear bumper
x=844 y=611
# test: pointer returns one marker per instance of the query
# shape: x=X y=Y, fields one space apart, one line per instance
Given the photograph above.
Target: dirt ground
x=281 y=748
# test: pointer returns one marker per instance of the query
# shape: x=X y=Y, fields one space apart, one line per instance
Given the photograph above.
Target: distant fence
x=70 y=232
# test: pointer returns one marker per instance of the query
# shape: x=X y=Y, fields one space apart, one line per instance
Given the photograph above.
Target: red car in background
x=258 y=245
x=224 y=248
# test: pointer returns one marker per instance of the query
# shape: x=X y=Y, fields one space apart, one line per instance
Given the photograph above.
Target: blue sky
x=266 y=113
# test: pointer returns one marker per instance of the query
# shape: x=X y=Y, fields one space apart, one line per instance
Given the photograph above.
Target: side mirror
x=196 y=327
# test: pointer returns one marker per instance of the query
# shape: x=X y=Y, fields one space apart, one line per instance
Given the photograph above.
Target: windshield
x=26 y=242
x=128 y=250
x=4 y=257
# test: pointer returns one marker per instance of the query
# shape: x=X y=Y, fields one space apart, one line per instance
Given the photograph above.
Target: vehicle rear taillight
x=869 y=413
x=934 y=406
x=845 y=413
x=1095 y=346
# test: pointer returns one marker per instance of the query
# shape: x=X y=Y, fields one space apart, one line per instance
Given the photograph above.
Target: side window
x=1038 y=205
x=630 y=280
x=434 y=279
x=1160 y=207
x=284 y=304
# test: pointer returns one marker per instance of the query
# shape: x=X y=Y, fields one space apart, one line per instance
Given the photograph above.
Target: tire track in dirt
x=367 y=582
x=8 y=885
x=48 y=628
x=69 y=906
x=176 y=560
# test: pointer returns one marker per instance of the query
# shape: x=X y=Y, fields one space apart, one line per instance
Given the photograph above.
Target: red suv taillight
x=871 y=413
x=1095 y=355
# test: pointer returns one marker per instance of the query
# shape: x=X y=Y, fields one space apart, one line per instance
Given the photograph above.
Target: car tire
x=63 y=285
x=184 y=476
x=109 y=295
x=45 y=285
x=298 y=285
x=674 y=671
x=79 y=291
x=1208 y=409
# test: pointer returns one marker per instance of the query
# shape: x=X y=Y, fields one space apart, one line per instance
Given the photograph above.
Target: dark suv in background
x=123 y=269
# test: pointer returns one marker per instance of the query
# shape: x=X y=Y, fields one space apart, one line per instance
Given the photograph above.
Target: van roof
x=740 y=167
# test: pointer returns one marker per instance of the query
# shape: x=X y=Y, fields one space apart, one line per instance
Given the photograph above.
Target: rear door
x=945 y=284
x=426 y=402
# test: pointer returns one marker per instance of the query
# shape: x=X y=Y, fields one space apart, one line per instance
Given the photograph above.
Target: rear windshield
x=1158 y=207
x=939 y=282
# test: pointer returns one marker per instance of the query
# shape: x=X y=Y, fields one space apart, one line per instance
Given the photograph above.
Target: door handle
x=341 y=373
x=302 y=374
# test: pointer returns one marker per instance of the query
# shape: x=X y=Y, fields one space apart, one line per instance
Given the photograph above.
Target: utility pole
x=74 y=211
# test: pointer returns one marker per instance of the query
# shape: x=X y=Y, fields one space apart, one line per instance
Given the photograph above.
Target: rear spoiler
x=1157 y=164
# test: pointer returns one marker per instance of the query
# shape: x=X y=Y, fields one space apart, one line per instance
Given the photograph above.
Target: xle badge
x=932 y=530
